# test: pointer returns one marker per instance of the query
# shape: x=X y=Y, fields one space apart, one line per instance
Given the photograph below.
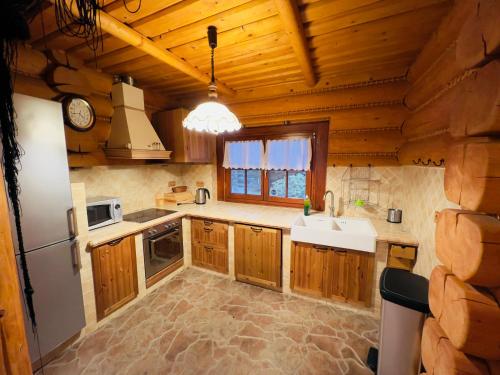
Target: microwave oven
x=102 y=211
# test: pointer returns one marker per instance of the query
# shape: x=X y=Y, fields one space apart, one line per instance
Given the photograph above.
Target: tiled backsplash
x=419 y=191
x=423 y=195
x=137 y=186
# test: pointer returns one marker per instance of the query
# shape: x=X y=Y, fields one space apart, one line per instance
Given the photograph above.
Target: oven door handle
x=163 y=236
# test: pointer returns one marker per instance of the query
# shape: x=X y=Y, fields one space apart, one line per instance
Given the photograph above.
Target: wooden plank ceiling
x=348 y=41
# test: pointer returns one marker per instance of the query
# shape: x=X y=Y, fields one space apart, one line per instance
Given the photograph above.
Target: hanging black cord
x=213 y=70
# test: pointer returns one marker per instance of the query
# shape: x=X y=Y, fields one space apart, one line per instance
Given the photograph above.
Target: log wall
x=453 y=99
x=365 y=118
x=454 y=85
x=53 y=74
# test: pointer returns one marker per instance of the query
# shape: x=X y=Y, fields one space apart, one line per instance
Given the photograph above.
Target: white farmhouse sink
x=345 y=232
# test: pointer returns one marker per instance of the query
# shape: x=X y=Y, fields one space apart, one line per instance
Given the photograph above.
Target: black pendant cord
x=213 y=70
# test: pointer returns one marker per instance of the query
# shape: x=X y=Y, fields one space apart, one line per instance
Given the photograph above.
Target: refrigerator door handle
x=75 y=255
x=71 y=222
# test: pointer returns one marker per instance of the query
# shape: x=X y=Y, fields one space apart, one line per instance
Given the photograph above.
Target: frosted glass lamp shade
x=212 y=117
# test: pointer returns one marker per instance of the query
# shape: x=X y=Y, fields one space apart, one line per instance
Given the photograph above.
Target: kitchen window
x=273 y=165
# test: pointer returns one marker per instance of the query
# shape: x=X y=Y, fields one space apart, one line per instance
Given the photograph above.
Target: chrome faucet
x=332 y=204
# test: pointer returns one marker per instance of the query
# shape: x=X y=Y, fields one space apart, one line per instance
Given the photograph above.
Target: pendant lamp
x=212 y=116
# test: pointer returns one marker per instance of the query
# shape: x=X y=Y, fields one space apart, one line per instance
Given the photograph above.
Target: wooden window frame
x=315 y=179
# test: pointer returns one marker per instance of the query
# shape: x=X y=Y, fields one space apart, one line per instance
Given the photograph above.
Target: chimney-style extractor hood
x=132 y=135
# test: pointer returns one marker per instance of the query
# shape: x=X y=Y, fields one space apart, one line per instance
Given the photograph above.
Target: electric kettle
x=201 y=196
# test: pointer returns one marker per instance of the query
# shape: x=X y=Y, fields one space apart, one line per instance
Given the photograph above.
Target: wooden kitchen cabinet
x=339 y=274
x=257 y=253
x=187 y=146
x=115 y=275
x=209 y=244
x=309 y=268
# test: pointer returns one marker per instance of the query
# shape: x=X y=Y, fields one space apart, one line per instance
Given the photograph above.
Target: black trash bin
x=404 y=308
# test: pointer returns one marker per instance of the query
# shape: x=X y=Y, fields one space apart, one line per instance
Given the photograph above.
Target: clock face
x=79 y=114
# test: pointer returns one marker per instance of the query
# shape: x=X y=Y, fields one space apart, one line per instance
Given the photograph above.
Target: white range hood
x=132 y=135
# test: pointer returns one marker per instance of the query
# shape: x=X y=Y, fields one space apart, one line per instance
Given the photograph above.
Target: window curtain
x=289 y=154
x=244 y=155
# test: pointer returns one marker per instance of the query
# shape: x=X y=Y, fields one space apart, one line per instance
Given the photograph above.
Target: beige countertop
x=277 y=217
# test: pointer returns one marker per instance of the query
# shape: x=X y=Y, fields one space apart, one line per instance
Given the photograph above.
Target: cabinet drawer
x=401 y=263
x=210 y=257
x=209 y=232
x=405 y=252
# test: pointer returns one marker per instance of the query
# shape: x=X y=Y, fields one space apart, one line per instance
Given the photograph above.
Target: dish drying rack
x=358 y=184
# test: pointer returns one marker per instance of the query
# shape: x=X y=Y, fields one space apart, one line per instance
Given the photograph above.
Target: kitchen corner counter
x=280 y=217
x=394 y=233
x=270 y=216
x=100 y=236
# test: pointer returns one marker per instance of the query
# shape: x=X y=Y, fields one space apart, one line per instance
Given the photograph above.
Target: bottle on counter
x=307 y=205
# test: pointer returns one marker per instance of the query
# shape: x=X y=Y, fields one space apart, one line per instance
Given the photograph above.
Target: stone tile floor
x=198 y=323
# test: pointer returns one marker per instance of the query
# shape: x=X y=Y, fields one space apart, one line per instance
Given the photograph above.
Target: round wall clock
x=78 y=113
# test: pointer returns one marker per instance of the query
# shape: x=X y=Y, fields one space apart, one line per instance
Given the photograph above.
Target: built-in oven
x=163 y=249
x=102 y=211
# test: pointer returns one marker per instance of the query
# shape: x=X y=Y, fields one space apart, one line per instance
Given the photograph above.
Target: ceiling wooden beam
x=127 y=34
x=293 y=27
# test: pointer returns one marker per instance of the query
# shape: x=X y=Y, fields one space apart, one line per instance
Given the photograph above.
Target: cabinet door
x=338 y=278
x=198 y=146
x=258 y=255
x=309 y=268
x=360 y=276
x=209 y=232
x=210 y=257
x=115 y=275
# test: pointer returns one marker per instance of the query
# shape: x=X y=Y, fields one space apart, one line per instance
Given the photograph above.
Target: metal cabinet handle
x=255 y=229
x=75 y=255
x=71 y=222
x=208 y=248
x=207 y=222
x=115 y=242
x=208 y=229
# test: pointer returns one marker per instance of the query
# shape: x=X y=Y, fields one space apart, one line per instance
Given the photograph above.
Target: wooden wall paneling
x=362 y=159
x=30 y=62
x=440 y=357
x=466 y=52
x=365 y=141
x=88 y=141
x=102 y=105
x=442 y=38
x=392 y=116
x=472 y=175
x=489 y=10
x=14 y=354
x=433 y=117
x=468 y=243
x=34 y=87
x=477 y=109
x=426 y=151
x=469 y=317
x=385 y=93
